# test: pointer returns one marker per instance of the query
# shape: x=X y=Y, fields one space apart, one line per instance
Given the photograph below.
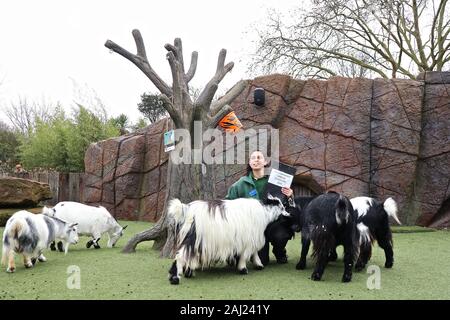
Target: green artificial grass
x=421 y=271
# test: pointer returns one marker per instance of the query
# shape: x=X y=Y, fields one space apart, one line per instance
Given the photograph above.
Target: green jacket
x=245 y=188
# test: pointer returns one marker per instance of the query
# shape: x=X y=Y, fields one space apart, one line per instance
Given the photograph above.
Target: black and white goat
x=30 y=234
x=374 y=215
x=329 y=220
x=210 y=232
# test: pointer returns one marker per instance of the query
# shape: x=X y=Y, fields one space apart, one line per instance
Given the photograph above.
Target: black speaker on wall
x=259 y=97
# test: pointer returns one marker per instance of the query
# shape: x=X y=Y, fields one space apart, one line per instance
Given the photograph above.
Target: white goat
x=92 y=221
x=30 y=234
x=211 y=232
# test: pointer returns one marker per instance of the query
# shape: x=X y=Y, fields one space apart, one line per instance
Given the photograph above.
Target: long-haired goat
x=374 y=215
x=329 y=220
x=210 y=232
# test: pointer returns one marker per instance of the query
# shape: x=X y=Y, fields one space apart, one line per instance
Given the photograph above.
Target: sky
x=54 y=51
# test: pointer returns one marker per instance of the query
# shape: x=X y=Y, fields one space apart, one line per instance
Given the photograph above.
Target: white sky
x=46 y=45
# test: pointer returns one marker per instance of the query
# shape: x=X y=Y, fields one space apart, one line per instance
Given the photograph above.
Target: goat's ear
x=124 y=227
x=73 y=225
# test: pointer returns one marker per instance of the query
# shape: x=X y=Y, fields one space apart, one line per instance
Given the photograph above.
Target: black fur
x=279 y=232
x=377 y=220
x=173 y=277
x=189 y=242
x=329 y=220
x=89 y=243
x=217 y=204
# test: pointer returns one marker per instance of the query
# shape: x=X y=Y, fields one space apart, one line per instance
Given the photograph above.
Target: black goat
x=329 y=220
x=374 y=215
x=279 y=232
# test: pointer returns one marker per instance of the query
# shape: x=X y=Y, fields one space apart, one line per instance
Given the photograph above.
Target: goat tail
x=175 y=210
x=341 y=210
x=323 y=243
x=390 y=206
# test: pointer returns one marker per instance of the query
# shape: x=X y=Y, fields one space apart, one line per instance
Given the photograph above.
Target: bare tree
x=387 y=38
x=184 y=181
x=24 y=114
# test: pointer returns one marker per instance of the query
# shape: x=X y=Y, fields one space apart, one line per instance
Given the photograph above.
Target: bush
x=4 y=216
x=61 y=143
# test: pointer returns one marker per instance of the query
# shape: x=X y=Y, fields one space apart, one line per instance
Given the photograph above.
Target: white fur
x=92 y=221
x=338 y=219
x=390 y=206
x=18 y=224
x=239 y=232
x=364 y=233
x=361 y=206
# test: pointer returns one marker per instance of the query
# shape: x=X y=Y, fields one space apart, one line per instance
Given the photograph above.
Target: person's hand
x=288 y=192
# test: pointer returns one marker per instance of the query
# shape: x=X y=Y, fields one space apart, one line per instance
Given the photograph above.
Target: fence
x=64 y=186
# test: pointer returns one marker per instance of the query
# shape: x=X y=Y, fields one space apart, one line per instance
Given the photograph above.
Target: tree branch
x=215 y=119
x=193 y=67
x=205 y=98
x=229 y=97
x=140 y=60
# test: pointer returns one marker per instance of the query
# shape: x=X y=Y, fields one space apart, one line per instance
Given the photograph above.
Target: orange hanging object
x=230 y=123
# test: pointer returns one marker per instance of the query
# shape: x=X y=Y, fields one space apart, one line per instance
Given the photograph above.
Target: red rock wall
x=356 y=136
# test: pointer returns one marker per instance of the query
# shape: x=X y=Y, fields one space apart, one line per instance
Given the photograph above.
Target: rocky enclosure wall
x=355 y=136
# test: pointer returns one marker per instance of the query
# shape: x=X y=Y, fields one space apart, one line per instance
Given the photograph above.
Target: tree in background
x=9 y=146
x=60 y=142
x=152 y=106
x=387 y=38
x=121 y=122
x=141 y=123
x=24 y=114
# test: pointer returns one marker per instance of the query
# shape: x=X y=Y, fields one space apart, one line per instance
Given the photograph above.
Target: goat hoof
x=33 y=261
x=60 y=247
x=52 y=246
x=11 y=270
x=388 y=264
x=96 y=246
x=42 y=259
x=259 y=267
x=174 y=280
x=282 y=260
x=300 y=266
x=316 y=276
x=89 y=244
x=346 y=278
x=243 y=271
x=188 y=273
x=359 y=267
